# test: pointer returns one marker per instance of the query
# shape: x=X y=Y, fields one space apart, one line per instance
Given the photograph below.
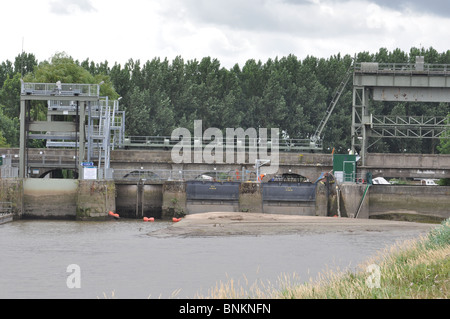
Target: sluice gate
x=289 y=198
x=139 y=200
x=281 y=198
x=204 y=196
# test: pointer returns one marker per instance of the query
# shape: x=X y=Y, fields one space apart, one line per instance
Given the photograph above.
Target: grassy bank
x=414 y=269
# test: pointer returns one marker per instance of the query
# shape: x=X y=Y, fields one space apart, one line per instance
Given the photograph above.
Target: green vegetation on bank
x=416 y=269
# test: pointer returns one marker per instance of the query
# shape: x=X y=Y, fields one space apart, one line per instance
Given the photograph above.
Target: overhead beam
x=44 y=126
x=411 y=94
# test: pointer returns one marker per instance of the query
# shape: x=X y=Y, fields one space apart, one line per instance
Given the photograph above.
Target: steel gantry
x=78 y=119
x=416 y=82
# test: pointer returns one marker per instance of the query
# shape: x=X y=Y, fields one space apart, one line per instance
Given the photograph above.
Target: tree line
x=288 y=93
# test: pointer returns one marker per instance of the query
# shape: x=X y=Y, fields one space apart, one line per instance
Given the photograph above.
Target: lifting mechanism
x=316 y=139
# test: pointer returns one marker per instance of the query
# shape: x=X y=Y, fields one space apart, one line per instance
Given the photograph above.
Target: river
x=118 y=259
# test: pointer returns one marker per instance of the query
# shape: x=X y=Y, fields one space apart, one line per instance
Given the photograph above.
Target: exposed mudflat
x=254 y=224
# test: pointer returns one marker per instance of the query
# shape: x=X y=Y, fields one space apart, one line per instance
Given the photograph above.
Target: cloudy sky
x=232 y=31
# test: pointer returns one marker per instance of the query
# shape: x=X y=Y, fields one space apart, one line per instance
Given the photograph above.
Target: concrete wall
x=174 y=201
x=308 y=165
x=11 y=191
x=160 y=156
x=197 y=207
x=395 y=201
x=408 y=165
x=323 y=200
x=350 y=196
x=290 y=208
x=58 y=198
x=433 y=201
x=95 y=199
x=50 y=198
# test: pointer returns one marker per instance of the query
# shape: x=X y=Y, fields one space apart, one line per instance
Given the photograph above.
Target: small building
x=344 y=168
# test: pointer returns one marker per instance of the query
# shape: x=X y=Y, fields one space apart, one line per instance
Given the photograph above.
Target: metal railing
x=9 y=172
x=168 y=142
x=45 y=160
x=60 y=89
x=402 y=68
x=61 y=106
x=357 y=178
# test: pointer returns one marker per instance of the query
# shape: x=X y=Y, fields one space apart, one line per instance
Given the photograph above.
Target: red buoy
x=116 y=216
x=176 y=220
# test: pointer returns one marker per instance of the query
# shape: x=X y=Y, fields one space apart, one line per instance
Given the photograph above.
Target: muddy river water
x=119 y=259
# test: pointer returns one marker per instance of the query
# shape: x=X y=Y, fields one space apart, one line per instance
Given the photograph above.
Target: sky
x=232 y=31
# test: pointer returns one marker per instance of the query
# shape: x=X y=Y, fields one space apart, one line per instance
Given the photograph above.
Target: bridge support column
x=250 y=198
x=95 y=199
x=22 y=154
x=81 y=119
x=174 y=199
x=360 y=119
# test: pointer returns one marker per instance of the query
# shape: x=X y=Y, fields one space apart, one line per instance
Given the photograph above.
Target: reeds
x=415 y=269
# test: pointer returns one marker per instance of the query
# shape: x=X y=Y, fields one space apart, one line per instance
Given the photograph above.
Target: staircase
x=106 y=133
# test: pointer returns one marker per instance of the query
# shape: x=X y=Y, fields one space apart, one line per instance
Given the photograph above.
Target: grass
x=415 y=269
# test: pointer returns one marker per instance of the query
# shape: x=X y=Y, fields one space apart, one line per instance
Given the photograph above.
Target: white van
x=380 y=181
x=428 y=182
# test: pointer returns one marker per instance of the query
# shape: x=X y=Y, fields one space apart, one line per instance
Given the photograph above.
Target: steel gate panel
x=289 y=192
x=201 y=190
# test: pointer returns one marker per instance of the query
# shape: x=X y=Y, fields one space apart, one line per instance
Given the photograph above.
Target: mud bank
x=255 y=224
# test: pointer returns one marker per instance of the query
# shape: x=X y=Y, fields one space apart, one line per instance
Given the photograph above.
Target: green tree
x=444 y=146
x=25 y=63
x=6 y=70
x=3 y=143
x=9 y=130
x=10 y=96
x=138 y=113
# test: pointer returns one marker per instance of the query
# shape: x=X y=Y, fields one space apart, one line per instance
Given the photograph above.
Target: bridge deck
x=307 y=164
